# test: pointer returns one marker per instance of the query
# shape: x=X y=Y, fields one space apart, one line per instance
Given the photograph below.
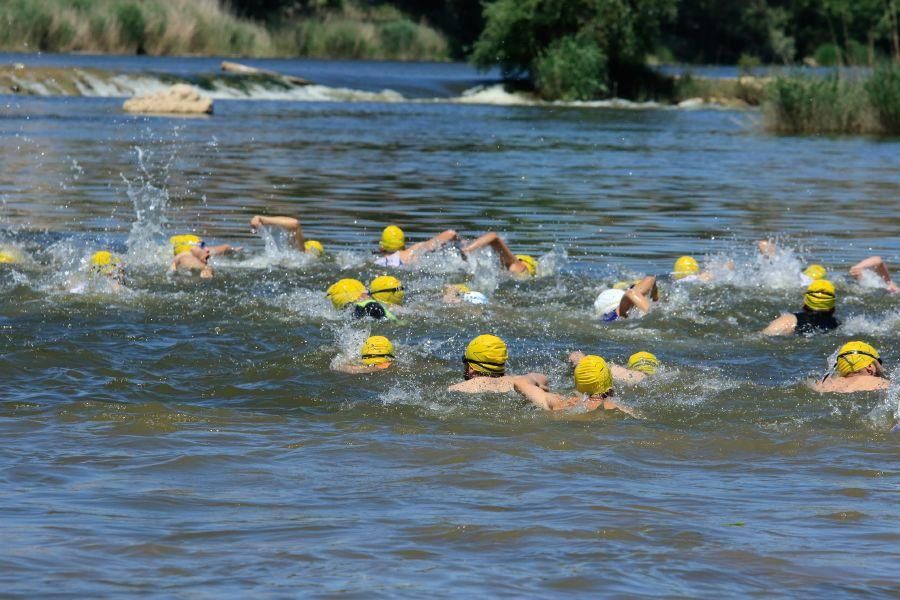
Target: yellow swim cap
x=643 y=362
x=592 y=376
x=815 y=272
x=387 y=289
x=486 y=354
x=856 y=356
x=314 y=247
x=462 y=288
x=7 y=257
x=392 y=239
x=377 y=350
x=530 y=263
x=183 y=243
x=684 y=266
x=345 y=291
x=819 y=295
x=104 y=262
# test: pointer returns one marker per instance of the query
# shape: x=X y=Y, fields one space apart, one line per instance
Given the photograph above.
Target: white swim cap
x=608 y=300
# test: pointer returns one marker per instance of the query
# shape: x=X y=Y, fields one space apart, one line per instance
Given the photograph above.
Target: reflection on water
x=190 y=436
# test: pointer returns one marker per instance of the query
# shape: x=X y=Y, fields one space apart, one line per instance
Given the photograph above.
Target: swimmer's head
x=856 y=356
x=608 y=300
x=345 y=291
x=314 y=247
x=392 y=239
x=461 y=288
x=815 y=272
x=10 y=256
x=644 y=362
x=592 y=376
x=183 y=243
x=486 y=355
x=200 y=252
x=819 y=296
x=387 y=289
x=684 y=266
x=529 y=262
x=106 y=263
x=377 y=350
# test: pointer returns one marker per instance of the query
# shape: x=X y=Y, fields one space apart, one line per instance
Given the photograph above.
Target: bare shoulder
x=840 y=385
x=484 y=385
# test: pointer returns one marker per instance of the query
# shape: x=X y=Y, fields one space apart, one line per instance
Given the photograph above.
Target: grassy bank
x=835 y=105
x=202 y=27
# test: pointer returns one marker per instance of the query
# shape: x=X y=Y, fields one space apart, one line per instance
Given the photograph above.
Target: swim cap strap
x=845 y=354
x=494 y=368
x=378 y=356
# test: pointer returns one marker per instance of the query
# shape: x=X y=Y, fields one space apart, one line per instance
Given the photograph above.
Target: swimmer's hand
x=255 y=223
x=575 y=357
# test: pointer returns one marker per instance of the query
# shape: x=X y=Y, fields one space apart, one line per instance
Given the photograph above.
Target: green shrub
x=397 y=37
x=571 y=69
x=748 y=63
x=131 y=25
x=828 y=55
x=883 y=93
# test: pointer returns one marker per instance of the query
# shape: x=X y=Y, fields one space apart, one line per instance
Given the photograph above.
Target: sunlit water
x=188 y=437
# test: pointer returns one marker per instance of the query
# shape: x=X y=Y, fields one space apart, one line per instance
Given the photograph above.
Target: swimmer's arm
x=288 y=223
x=575 y=357
x=633 y=299
x=783 y=325
x=613 y=405
x=876 y=264
x=540 y=398
x=496 y=242
x=223 y=249
x=820 y=385
x=767 y=248
x=623 y=375
x=433 y=244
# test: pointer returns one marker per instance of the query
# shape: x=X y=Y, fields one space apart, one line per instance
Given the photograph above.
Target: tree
x=572 y=49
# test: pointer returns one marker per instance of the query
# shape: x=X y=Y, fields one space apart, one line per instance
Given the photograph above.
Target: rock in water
x=178 y=99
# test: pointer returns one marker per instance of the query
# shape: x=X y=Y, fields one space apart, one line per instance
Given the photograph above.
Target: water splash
x=150 y=198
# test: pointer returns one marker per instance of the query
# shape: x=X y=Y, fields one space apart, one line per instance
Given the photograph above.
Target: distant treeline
x=693 y=31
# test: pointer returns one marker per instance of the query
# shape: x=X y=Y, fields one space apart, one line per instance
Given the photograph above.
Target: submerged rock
x=178 y=99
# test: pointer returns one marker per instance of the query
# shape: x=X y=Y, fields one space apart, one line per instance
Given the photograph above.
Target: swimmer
x=10 y=255
x=295 y=232
x=879 y=267
x=182 y=243
x=520 y=264
x=107 y=265
x=613 y=304
x=858 y=369
x=687 y=270
x=813 y=272
x=376 y=354
x=485 y=369
x=640 y=365
x=351 y=293
x=195 y=258
x=594 y=382
x=458 y=293
x=817 y=315
x=394 y=252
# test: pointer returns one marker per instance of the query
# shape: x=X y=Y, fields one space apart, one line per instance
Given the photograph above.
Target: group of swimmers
x=857 y=367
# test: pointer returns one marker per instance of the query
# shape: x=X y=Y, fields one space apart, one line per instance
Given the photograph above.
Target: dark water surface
x=187 y=438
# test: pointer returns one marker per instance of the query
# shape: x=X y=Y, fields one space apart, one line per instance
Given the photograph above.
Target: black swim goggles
x=399 y=288
x=366 y=356
x=820 y=294
x=494 y=368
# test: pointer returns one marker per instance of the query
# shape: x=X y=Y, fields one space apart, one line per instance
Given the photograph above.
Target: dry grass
x=180 y=27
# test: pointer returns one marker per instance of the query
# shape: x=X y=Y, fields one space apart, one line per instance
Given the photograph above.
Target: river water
x=188 y=438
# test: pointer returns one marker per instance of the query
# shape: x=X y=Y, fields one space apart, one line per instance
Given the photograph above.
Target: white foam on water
x=871 y=326
x=495 y=95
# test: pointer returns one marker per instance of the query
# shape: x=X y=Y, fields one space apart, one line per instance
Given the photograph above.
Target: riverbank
x=202 y=27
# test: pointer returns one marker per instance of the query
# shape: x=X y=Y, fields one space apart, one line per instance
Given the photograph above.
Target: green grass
x=800 y=104
x=202 y=27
